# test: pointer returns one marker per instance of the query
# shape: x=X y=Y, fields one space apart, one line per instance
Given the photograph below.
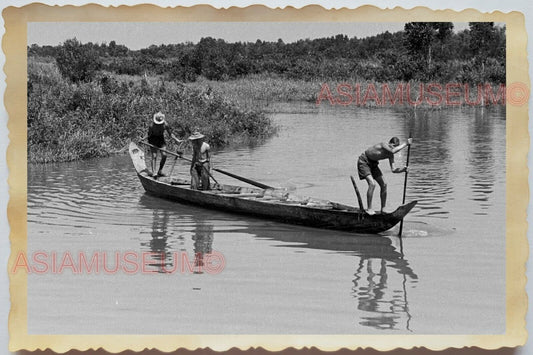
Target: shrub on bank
x=70 y=121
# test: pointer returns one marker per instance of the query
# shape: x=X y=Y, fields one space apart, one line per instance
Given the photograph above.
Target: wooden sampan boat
x=276 y=204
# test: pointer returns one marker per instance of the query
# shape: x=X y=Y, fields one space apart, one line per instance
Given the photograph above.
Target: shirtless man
x=367 y=167
x=200 y=162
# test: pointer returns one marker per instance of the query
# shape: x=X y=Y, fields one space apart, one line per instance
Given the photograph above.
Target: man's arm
x=393 y=169
x=391 y=159
x=401 y=146
x=176 y=138
x=386 y=147
x=148 y=134
x=167 y=128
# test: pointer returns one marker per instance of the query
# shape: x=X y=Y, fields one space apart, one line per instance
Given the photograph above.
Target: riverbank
x=72 y=121
x=265 y=91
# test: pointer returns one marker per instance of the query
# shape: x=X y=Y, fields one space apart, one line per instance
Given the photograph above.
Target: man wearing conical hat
x=200 y=162
x=156 y=137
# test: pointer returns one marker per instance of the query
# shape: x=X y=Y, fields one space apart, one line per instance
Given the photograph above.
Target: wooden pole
x=246 y=180
x=405 y=184
x=359 y=199
x=173 y=165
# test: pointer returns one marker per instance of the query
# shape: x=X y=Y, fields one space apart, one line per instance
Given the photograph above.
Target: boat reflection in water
x=380 y=286
x=166 y=249
x=203 y=244
x=382 y=275
x=160 y=257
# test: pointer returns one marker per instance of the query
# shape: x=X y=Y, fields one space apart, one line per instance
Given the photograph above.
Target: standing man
x=156 y=137
x=200 y=162
x=368 y=169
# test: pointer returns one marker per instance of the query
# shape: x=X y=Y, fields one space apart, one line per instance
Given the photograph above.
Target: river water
x=445 y=276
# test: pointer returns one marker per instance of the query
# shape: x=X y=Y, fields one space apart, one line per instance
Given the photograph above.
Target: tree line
x=423 y=51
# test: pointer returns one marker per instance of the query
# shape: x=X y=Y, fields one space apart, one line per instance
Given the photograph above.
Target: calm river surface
x=280 y=278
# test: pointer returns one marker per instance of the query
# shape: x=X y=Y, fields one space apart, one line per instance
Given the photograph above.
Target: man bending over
x=368 y=169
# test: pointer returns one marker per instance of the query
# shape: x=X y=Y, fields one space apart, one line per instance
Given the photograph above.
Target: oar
x=249 y=181
x=181 y=157
x=175 y=161
x=359 y=199
x=173 y=165
x=405 y=183
x=246 y=180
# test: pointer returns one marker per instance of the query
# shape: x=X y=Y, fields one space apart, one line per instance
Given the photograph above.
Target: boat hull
x=276 y=206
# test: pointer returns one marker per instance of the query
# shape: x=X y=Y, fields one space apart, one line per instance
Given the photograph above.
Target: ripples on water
x=457 y=174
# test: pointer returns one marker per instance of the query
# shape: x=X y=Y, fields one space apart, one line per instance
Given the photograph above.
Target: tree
x=420 y=38
x=78 y=62
x=487 y=43
x=481 y=37
x=210 y=58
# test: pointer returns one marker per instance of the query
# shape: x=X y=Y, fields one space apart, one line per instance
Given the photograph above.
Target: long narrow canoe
x=273 y=204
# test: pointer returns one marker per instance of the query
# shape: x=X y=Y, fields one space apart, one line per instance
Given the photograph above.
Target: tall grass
x=266 y=92
x=68 y=121
x=261 y=91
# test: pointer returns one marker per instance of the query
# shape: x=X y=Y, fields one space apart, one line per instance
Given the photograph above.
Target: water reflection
x=431 y=161
x=481 y=158
x=203 y=244
x=161 y=257
x=382 y=294
x=458 y=168
x=454 y=155
x=382 y=274
x=164 y=256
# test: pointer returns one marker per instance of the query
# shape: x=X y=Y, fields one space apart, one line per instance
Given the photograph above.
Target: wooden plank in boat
x=240 y=195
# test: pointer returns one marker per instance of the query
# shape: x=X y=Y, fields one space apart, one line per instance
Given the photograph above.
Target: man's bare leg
x=153 y=161
x=163 y=160
x=383 y=193
x=370 y=193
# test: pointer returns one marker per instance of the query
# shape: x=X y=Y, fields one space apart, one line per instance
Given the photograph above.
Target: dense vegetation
x=422 y=51
x=77 y=120
x=88 y=100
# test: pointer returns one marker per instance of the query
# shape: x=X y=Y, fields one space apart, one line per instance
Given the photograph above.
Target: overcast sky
x=137 y=35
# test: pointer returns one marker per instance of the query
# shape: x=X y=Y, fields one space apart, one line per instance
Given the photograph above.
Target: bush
x=77 y=62
x=92 y=119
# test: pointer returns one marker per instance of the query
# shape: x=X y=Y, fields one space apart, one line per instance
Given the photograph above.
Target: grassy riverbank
x=263 y=92
x=70 y=121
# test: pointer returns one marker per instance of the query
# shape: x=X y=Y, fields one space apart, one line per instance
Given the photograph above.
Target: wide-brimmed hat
x=196 y=135
x=159 y=118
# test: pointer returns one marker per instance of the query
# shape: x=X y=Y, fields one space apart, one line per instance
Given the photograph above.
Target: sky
x=135 y=35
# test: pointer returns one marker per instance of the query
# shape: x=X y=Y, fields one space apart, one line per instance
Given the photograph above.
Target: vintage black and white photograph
x=266 y=178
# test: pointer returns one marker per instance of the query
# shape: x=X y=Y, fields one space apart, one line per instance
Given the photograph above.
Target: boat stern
x=137 y=158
